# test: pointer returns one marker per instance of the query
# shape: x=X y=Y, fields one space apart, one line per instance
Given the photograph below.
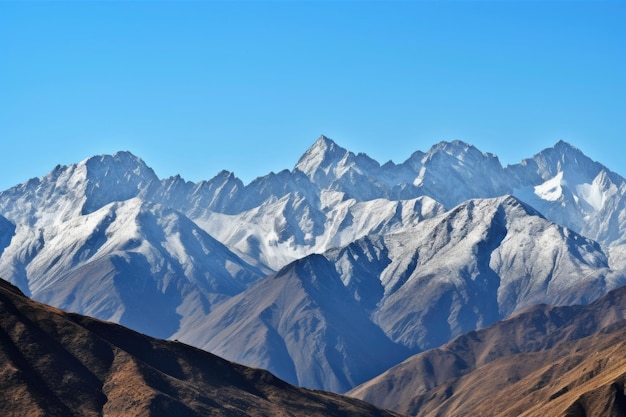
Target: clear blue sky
x=197 y=87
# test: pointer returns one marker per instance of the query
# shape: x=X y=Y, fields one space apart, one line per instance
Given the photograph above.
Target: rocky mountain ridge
x=421 y=251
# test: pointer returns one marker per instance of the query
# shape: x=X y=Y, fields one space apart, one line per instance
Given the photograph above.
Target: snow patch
x=592 y=194
x=551 y=190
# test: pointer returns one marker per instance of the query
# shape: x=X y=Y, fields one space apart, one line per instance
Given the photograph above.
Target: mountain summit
x=330 y=166
x=320 y=156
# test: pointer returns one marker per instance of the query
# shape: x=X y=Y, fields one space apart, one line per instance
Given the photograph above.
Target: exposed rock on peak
x=115 y=177
x=456 y=171
x=573 y=190
x=320 y=156
x=330 y=166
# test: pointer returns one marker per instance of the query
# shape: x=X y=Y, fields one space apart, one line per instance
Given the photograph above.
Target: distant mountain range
x=329 y=273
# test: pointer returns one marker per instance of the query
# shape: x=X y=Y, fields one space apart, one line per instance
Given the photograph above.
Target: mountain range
x=326 y=274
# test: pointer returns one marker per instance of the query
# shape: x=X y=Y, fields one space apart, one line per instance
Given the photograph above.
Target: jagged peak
x=458 y=148
x=451 y=146
x=115 y=177
x=315 y=272
x=325 y=162
x=176 y=181
x=563 y=145
x=222 y=179
x=512 y=201
x=176 y=178
x=562 y=148
x=323 y=139
x=225 y=175
x=508 y=202
x=284 y=176
x=122 y=163
x=125 y=155
x=321 y=153
x=119 y=156
x=564 y=157
x=324 y=144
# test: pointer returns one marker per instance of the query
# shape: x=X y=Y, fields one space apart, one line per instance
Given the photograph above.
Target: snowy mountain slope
x=479 y=263
x=452 y=172
x=304 y=207
x=142 y=265
x=469 y=267
x=572 y=190
x=567 y=187
x=69 y=191
x=275 y=233
x=7 y=230
x=419 y=287
x=64 y=237
x=279 y=232
x=561 y=182
x=39 y=206
x=301 y=324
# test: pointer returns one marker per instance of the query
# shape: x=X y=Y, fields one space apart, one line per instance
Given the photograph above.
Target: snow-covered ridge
x=450 y=172
x=407 y=289
x=409 y=254
x=281 y=217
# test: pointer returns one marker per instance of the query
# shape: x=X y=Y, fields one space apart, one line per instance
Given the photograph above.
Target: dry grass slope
x=54 y=363
x=546 y=361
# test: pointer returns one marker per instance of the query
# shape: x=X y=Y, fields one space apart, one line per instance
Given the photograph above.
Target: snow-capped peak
x=455 y=147
x=455 y=171
x=330 y=166
x=116 y=177
x=461 y=151
x=563 y=146
x=225 y=175
x=320 y=155
x=123 y=164
x=565 y=157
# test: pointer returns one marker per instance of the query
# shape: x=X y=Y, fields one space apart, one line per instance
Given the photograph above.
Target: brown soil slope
x=546 y=361
x=54 y=363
